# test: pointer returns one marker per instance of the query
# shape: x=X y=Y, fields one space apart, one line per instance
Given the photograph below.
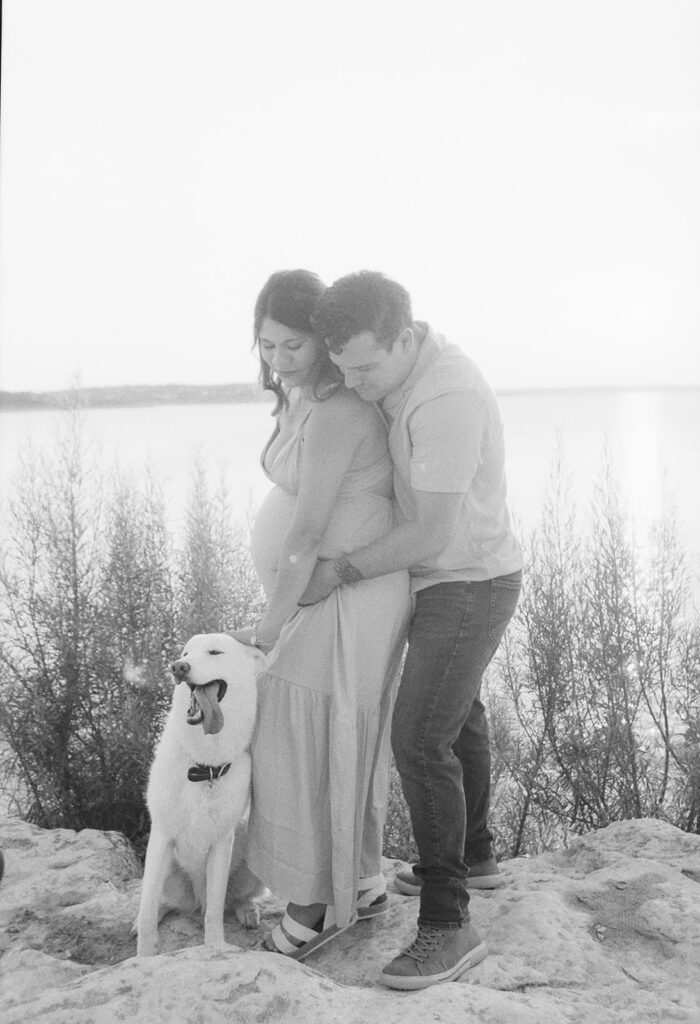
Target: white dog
x=198 y=792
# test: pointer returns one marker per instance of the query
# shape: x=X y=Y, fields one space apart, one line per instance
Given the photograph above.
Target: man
x=455 y=536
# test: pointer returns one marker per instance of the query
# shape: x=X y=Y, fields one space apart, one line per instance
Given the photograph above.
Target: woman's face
x=291 y=354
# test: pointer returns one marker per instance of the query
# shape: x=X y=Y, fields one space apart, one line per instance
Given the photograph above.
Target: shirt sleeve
x=446 y=439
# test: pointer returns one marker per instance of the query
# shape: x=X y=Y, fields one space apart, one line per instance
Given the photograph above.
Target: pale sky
x=528 y=170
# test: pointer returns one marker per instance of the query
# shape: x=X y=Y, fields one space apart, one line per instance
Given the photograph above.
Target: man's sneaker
x=436 y=955
x=483 y=875
x=408 y=883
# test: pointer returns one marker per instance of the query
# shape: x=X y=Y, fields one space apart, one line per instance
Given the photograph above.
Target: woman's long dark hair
x=289 y=297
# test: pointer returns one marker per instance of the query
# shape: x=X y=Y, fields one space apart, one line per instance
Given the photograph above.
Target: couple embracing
x=388 y=519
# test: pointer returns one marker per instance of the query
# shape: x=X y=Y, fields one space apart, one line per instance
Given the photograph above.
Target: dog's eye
x=216 y=652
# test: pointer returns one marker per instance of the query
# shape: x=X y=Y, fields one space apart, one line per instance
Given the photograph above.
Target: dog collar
x=207 y=772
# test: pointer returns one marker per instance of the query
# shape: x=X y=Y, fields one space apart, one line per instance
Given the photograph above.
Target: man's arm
x=409 y=544
x=446 y=436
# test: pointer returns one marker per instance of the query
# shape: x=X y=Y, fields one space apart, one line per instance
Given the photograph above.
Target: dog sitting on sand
x=199 y=790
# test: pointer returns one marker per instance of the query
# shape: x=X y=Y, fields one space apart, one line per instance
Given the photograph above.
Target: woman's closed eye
x=270 y=347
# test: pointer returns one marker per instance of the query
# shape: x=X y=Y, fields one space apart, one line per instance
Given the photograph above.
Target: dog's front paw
x=147 y=947
x=247 y=914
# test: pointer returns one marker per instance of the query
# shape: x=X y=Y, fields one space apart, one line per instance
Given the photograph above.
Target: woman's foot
x=296 y=939
x=372 y=899
x=309 y=916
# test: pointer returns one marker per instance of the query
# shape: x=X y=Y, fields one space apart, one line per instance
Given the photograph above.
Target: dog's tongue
x=207 y=698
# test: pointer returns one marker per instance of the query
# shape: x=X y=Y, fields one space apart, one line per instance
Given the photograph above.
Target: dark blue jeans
x=440 y=735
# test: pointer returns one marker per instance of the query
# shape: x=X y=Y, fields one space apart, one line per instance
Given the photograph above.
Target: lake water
x=653 y=438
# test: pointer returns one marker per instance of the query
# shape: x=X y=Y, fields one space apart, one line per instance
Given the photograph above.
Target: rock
x=69 y=894
x=606 y=931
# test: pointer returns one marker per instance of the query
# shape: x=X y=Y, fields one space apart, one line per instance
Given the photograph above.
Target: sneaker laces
x=425 y=943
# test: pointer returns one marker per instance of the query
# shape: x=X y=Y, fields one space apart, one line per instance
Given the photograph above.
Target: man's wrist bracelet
x=346 y=571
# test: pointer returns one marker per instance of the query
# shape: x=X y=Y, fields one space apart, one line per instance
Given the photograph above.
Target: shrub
x=91 y=609
x=398 y=834
x=596 y=710
x=216 y=584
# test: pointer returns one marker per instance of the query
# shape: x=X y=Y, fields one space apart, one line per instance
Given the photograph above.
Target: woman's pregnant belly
x=356 y=519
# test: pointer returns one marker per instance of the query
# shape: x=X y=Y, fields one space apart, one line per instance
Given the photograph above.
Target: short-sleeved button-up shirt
x=446 y=434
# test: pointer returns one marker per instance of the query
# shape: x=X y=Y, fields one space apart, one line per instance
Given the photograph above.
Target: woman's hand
x=324 y=580
x=252 y=636
x=245 y=634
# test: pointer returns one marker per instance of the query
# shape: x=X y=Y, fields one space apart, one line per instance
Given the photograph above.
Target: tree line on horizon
x=132 y=395
x=136 y=395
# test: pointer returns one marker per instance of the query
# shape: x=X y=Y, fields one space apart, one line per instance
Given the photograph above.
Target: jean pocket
x=505 y=591
x=513 y=581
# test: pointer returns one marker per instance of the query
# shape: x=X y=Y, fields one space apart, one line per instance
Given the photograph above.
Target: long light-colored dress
x=321 y=749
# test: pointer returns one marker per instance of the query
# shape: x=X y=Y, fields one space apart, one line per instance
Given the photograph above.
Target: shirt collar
x=430 y=346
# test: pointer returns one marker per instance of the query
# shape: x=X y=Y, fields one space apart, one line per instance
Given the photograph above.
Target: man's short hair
x=365 y=301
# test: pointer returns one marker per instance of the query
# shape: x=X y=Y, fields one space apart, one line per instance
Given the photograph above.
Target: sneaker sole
x=417 y=981
x=474 y=882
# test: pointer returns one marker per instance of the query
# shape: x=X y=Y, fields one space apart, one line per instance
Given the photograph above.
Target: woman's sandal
x=372 y=899
x=297 y=941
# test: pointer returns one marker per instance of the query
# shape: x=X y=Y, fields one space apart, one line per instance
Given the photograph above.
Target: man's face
x=371 y=369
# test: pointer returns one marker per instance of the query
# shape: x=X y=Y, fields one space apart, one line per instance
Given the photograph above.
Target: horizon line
x=254 y=385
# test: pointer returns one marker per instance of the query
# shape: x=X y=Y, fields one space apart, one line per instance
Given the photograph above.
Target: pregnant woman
x=321 y=752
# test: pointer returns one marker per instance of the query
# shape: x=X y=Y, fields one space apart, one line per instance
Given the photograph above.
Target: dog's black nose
x=180 y=668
